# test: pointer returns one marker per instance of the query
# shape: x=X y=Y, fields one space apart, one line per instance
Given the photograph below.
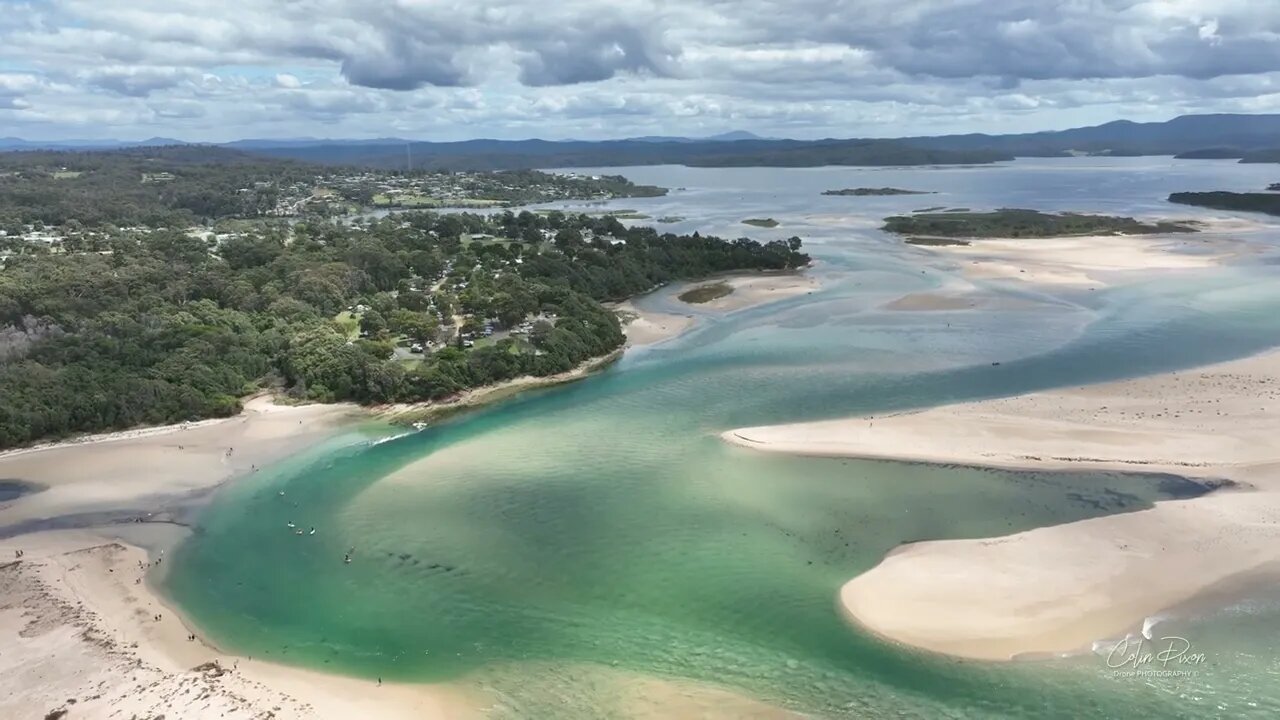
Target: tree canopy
x=163 y=325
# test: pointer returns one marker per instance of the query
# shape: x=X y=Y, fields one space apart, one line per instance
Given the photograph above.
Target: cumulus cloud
x=820 y=67
x=400 y=45
x=136 y=81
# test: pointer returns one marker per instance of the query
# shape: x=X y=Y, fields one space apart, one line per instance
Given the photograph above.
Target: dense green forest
x=1268 y=203
x=169 y=186
x=168 y=325
x=1013 y=223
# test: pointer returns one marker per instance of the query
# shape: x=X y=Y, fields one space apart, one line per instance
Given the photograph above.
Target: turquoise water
x=604 y=525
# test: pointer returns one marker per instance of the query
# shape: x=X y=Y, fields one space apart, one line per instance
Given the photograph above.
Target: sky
x=218 y=70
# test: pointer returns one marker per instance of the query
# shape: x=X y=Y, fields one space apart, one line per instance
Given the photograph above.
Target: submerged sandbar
x=1059 y=589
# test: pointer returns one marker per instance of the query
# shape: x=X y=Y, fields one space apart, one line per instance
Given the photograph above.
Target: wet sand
x=1059 y=589
x=758 y=289
x=82 y=630
x=647 y=327
x=1097 y=260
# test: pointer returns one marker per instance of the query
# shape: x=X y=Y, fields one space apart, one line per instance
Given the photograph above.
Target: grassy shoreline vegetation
x=1015 y=223
x=761 y=222
x=109 y=327
x=1260 y=202
x=706 y=293
x=861 y=192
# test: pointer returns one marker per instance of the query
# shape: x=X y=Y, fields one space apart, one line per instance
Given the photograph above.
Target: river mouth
x=604 y=524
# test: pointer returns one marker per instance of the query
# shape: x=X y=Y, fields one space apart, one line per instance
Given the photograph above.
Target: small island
x=1260 y=202
x=860 y=192
x=762 y=222
x=706 y=293
x=1273 y=187
x=927 y=228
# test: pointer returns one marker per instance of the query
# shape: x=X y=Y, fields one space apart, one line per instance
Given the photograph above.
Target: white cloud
x=213 y=69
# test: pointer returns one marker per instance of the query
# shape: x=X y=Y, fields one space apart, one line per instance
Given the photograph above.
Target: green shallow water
x=604 y=525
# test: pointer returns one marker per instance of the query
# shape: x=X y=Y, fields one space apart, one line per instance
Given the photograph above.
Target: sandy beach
x=119 y=472
x=648 y=327
x=1059 y=589
x=758 y=289
x=82 y=630
x=405 y=413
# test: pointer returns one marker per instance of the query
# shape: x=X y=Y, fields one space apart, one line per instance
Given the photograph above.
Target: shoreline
x=1060 y=589
x=641 y=327
x=750 y=290
x=409 y=413
x=76 y=609
x=150 y=469
x=94 y=514
x=86 y=632
x=1093 y=261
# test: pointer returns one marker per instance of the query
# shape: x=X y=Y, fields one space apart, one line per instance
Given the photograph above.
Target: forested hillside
x=178 y=186
x=144 y=186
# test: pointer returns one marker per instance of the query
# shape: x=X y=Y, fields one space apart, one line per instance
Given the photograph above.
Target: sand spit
x=1098 y=260
x=83 y=632
x=758 y=289
x=1058 y=589
x=646 y=327
x=113 y=472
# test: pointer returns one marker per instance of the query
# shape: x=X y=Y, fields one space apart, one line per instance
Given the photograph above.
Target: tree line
x=166 y=326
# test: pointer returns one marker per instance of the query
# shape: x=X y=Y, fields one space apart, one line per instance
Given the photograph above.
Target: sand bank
x=758 y=289
x=1093 y=261
x=645 y=327
x=83 y=632
x=117 y=472
x=1058 y=589
x=80 y=628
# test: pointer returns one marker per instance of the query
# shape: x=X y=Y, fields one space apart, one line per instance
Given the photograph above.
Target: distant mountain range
x=1187 y=134
x=1252 y=138
x=13 y=143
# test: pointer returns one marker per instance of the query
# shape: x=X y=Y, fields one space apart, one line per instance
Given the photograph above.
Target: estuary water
x=602 y=528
